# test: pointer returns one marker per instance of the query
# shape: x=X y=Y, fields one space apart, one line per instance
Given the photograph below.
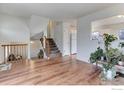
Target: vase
x=109 y=74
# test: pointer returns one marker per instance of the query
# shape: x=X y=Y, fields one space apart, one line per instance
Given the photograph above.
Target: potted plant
x=113 y=55
x=96 y=56
x=108 y=39
x=41 y=54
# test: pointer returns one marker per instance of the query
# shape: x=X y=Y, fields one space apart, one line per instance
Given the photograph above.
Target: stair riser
x=54 y=51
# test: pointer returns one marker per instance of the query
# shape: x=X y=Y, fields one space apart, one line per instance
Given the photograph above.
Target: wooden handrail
x=45 y=45
x=48 y=48
x=14 y=45
x=42 y=41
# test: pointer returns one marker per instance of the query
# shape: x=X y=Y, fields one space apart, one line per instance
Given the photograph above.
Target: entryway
x=69 y=38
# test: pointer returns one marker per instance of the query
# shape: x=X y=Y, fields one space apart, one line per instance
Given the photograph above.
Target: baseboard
x=82 y=61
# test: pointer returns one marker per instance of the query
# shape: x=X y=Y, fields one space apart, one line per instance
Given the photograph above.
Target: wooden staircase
x=50 y=47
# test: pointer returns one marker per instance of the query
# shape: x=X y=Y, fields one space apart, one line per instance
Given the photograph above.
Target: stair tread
x=54 y=51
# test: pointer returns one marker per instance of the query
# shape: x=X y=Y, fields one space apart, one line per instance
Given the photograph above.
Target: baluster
x=25 y=51
x=17 y=50
x=10 y=51
x=4 y=54
x=22 y=52
x=7 y=52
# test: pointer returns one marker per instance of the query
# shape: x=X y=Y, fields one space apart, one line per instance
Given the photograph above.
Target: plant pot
x=110 y=74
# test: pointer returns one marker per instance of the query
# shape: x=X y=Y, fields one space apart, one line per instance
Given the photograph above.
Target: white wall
x=35 y=48
x=13 y=29
x=51 y=27
x=58 y=35
x=66 y=38
x=62 y=36
x=84 y=45
x=69 y=37
x=38 y=24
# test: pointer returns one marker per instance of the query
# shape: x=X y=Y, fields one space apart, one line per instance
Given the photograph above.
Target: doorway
x=69 y=38
x=73 y=41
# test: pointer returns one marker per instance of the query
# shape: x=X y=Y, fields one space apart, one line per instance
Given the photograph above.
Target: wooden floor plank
x=58 y=71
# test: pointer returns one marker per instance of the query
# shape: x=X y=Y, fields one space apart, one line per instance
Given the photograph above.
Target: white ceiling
x=56 y=11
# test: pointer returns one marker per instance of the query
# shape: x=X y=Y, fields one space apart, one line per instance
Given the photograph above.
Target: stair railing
x=46 y=46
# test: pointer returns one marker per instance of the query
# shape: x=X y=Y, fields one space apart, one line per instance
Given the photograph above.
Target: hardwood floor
x=59 y=71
